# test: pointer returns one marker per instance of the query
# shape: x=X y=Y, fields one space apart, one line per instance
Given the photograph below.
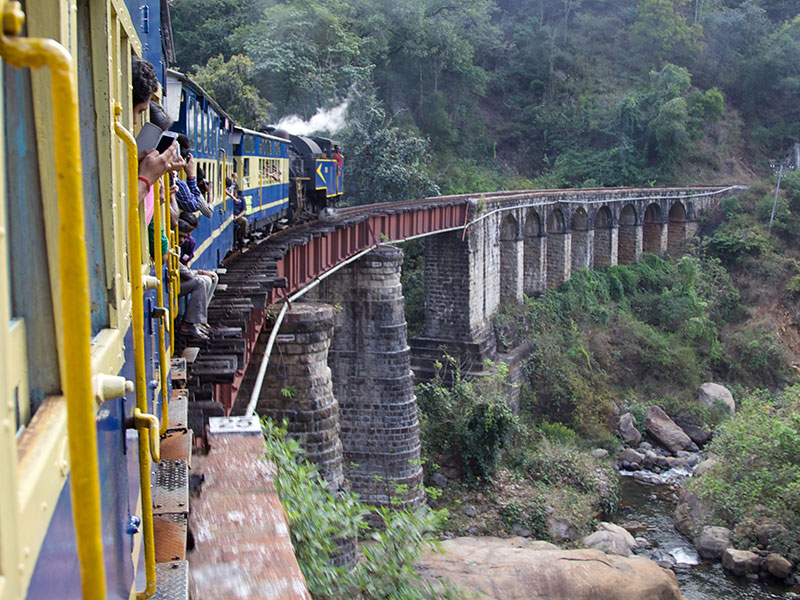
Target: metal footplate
x=178 y=410
x=171 y=488
x=178 y=372
x=173 y=580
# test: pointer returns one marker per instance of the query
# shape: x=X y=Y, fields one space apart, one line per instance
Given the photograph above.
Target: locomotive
x=87 y=310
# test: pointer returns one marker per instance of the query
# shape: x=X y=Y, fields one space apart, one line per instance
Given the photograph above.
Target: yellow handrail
x=162 y=312
x=135 y=263
x=149 y=423
x=74 y=275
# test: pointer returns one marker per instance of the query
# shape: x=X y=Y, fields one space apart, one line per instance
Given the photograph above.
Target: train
x=87 y=311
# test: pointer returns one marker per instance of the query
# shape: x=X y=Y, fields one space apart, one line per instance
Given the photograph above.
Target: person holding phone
x=188 y=195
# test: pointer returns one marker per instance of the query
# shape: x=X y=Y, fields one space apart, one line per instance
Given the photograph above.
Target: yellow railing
x=145 y=431
x=161 y=311
x=74 y=278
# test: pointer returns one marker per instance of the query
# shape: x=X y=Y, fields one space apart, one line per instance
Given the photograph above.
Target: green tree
x=383 y=163
x=202 y=28
x=229 y=83
x=306 y=54
x=661 y=32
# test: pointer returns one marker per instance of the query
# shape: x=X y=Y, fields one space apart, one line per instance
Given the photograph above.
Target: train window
x=190 y=125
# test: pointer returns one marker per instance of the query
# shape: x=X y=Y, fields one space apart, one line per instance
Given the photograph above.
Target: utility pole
x=791 y=162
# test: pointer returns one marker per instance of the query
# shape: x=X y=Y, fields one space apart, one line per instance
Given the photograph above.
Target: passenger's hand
x=191 y=166
x=153 y=165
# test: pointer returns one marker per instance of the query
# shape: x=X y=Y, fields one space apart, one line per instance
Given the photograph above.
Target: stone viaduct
x=341 y=369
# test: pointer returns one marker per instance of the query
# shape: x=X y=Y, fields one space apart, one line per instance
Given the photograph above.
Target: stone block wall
x=371 y=368
x=298 y=387
x=582 y=248
x=558 y=259
x=630 y=244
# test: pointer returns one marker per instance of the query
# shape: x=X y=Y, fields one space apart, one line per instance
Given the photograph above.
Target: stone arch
x=558 y=261
x=581 y=240
x=676 y=231
x=626 y=248
x=509 y=258
x=653 y=229
x=603 y=237
x=533 y=256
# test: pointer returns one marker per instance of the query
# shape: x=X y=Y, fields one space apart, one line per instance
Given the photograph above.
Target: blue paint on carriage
x=146 y=16
x=57 y=571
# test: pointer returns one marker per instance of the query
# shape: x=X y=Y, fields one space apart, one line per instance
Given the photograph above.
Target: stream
x=646 y=511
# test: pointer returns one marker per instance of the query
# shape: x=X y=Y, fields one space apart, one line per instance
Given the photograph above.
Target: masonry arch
x=603 y=237
x=534 y=273
x=626 y=248
x=653 y=229
x=581 y=240
x=510 y=274
x=558 y=261
x=676 y=231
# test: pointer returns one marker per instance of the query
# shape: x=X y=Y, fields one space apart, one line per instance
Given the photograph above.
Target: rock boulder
x=627 y=430
x=778 y=566
x=665 y=431
x=611 y=539
x=741 y=562
x=492 y=568
x=713 y=393
x=712 y=542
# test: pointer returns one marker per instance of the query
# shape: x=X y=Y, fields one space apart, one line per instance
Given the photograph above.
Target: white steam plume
x=324 y=121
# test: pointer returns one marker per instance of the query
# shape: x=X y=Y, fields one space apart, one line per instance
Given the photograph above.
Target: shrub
x=466 y=419
x=758 y=476
x=317 y=520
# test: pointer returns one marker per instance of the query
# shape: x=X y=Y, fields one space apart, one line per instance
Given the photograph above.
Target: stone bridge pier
x=522 y=245
x=370 y=363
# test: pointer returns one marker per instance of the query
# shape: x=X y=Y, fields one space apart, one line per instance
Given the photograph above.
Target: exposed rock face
x=712 y=542
x=688 y=512
x=741 y=562
x=711 y=393
x=521 y=570
x=778 y=566
x=627 y=430
x=693 y=429
x=600 y=453
x=560 y=529
x=665 y=431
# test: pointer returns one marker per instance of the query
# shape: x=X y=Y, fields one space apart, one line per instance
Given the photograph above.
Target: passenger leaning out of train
x=186 y=225
x=152 y=165
x=239 y=209
x=189 y=196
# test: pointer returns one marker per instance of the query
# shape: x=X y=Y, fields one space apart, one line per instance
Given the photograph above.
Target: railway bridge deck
x=350 y=367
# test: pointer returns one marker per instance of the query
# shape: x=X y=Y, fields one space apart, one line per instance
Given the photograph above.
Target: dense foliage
x=757 y=479
x=488 y=94
x=468 y=420
x=318 y=521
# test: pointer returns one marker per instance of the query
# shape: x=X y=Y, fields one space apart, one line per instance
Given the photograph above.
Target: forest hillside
x=498 y=94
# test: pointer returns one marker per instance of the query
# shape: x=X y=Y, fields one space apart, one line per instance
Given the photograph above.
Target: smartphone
x=148 y=137
x=166 y=140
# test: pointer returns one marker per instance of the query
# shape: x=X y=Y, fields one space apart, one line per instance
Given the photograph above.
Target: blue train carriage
x=80 y=332
x=262 y=166
x=211 y=132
